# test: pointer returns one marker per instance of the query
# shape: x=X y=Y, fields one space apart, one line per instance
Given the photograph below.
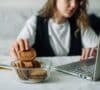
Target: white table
x=57 y=80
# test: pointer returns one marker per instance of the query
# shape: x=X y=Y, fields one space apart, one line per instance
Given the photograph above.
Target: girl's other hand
x=88 y=52
x=18 y=45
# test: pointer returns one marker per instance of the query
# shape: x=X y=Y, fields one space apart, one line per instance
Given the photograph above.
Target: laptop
x=87 y=69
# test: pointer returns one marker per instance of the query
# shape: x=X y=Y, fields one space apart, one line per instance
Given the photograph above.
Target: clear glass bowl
x=32 y=75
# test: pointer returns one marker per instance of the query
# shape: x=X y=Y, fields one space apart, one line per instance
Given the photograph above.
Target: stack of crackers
x=27 y=67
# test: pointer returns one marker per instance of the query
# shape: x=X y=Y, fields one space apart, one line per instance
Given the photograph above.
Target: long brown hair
x=80 y=15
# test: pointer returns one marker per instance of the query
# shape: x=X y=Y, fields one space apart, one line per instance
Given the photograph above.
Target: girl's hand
x=88 y=52
x=18 y=45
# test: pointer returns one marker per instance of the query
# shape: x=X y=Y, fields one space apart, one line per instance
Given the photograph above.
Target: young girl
x=61 y=28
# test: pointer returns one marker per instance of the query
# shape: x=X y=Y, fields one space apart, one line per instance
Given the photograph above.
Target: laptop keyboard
x=81 y=68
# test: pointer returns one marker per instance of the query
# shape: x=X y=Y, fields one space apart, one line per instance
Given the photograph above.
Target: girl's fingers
x=13 y=53
x=87 y=53
x=83 y=54
x=93 y=52
x=26 y=44
x=21 y=44
x=16 y=47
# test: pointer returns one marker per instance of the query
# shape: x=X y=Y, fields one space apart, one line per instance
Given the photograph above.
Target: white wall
x=36 y=4
x=13 y=15
x=21 y=3
x=94 y=6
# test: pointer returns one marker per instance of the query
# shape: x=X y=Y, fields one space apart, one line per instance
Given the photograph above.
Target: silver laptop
x=88 y=69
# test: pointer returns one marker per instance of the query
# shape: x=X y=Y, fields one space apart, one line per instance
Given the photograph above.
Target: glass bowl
x=32 y=74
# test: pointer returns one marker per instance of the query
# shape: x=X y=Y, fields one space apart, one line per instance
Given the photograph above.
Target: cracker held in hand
x=27 y=55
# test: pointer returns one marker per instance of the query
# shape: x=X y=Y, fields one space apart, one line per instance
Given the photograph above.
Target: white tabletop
x=57 y=80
